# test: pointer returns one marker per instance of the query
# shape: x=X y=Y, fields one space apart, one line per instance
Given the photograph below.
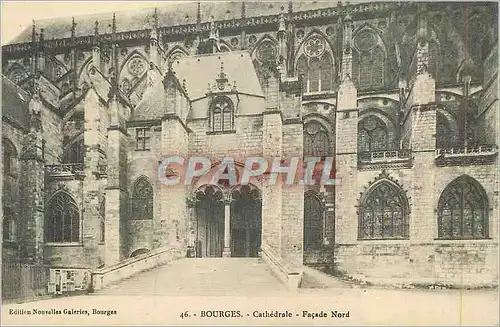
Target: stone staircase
x=202 y=277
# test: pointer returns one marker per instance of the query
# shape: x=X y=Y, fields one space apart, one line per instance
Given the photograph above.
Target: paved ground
x=184 y=291
x=204 y=277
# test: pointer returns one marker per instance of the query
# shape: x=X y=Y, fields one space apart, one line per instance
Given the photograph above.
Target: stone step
x=202 y=276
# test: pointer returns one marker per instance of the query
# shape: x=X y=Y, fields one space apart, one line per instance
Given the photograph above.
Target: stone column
x=227 y=230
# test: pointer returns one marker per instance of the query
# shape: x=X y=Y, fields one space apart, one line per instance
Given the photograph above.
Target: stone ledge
x=129 y=267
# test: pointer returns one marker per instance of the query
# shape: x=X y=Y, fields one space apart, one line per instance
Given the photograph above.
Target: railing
x=467 y=151
x=384 y=156
x=64 y=169
x=23 y=281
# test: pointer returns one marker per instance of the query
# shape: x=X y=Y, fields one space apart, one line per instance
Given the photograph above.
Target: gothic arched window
x=267 y=52
x=316 y=140
x=316 y=66
x=62 y=220
x=142 y=200
x=9 y=225
x=313 y=222
x=221 y=114
x=463 y=210
x=383 y=213
x=9 y=157
x=370 y=60
x=372 y=135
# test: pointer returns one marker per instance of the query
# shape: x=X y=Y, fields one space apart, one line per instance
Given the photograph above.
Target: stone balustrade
x=64 y=169
x=384 y=156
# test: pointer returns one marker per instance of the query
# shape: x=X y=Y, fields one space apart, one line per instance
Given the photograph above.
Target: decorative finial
x=113 y=26
x=281 y=23
x=96 y=28
x=42 y=34
x=243 y=10
x=33 y=32
x=155 y=19
x=198 y=14
x=73 y=27
x=290 y=7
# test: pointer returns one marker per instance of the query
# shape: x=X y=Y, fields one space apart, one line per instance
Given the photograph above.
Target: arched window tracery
x=62 y=220
x=142 y=200
x=383 y=213
x=221 y=114
x=372 y=135
x=316 y=140
x=463 y=210
x=369 y=66
x=316 y=66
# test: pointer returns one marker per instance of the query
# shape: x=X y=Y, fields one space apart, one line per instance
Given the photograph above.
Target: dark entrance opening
x=246 y=222
x=210 y=223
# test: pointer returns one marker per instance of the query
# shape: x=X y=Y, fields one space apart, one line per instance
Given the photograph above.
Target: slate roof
x=199 y=71
x=172 y=14
x=15 y=102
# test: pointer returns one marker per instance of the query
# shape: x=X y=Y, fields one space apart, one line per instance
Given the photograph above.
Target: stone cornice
x=226 y=27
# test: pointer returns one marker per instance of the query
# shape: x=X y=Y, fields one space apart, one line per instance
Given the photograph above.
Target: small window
x=9 y=227
x=143 y=139
x=9 y=157
x=221 y=114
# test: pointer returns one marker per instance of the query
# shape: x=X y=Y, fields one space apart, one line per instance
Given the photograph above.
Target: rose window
x=17 y=76
x=365 y=41
x=314 y=47
x=137 y=66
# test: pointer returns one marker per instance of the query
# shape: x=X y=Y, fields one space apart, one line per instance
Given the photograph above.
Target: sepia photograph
x=250 y=163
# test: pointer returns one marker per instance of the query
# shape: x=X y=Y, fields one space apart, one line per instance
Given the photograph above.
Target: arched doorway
x=246 y=221
x=209 y=222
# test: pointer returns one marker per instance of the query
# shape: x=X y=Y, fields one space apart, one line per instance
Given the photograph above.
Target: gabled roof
x=199 y=71
x=152 y=105
x=15 y=102
x=172 y=14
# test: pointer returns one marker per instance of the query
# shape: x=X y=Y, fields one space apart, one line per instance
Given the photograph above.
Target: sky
x=18 y=15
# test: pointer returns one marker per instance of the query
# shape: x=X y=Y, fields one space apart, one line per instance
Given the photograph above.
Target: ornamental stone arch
x=83 y=73
x=383 y=210
x=315 y=63
x=142 y=199
x=369 y=58
x=463 y=210
x=175 y=53
x=62 y=220
x=17 y=73
x=376 y=131
x=132 y=72
x=265 y=55
x=319 y=137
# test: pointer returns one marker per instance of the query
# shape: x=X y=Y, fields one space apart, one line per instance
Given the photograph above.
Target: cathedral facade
x=403 y=96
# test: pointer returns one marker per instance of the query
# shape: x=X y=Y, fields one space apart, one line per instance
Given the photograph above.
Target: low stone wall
x=290 y=276
x=465 y=263
x=126 y=268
